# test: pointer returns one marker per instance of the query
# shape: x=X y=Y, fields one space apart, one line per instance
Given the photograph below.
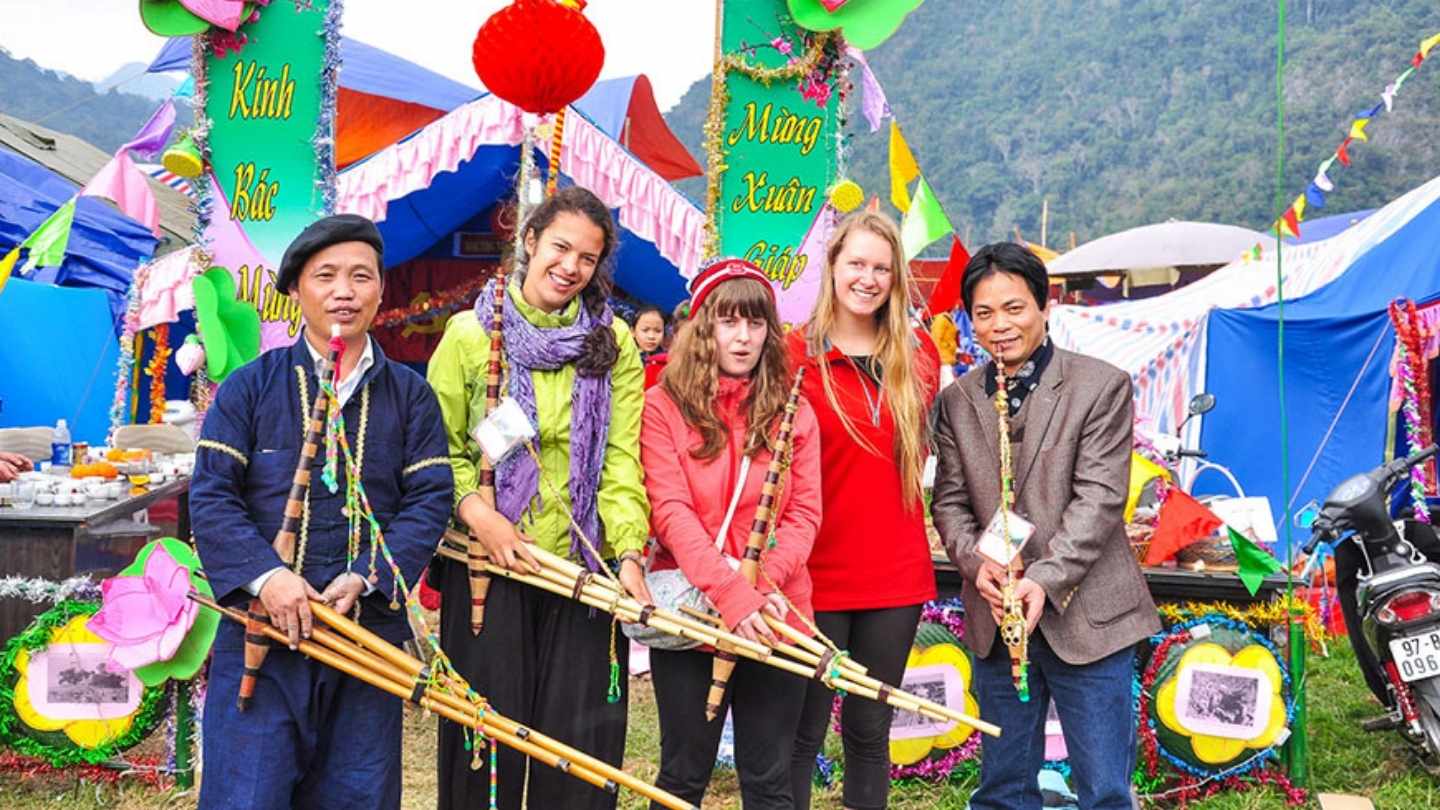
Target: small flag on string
x=1290 y=224
x=1322 y=180
x=874 y=105
x=1254 y=562
x=1298 y=206
x=47 y=244
x=1183 y=520
x=122 y=181
x=903 y=168
x=924 y=222
x=1428 y=45
x=946 y=295
x=1142 y=471
x=1357 y=129
x=7 y=264
x=151 y=138
x=1342 y=153
x=1315 y=196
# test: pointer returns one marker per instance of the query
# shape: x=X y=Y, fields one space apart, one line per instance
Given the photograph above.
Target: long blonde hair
x=894 y=349
x=691 y=377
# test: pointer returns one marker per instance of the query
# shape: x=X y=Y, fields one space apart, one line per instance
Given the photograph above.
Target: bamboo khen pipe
x=761 y=528
x=559 y=576
x=256 y=649
x=369 y=658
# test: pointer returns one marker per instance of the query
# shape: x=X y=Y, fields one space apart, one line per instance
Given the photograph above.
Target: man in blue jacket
x=313 y=737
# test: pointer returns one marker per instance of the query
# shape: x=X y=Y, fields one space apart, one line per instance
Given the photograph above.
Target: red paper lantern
x=539 y=55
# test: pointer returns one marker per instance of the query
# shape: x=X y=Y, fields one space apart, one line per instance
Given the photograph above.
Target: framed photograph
x=939 y=683
x=1223 y=701
x=72 y=682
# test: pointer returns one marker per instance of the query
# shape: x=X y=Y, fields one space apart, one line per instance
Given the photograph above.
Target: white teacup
x=45 y=498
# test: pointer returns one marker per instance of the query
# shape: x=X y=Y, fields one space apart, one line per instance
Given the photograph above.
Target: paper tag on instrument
x=503 y=431
x=1200 y=631
x=992 y=542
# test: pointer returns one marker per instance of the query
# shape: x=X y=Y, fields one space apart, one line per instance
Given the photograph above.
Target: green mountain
x=1127 y=112
x=67 y=104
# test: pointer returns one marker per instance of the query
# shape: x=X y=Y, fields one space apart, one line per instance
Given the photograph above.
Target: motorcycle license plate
x=1417 y=657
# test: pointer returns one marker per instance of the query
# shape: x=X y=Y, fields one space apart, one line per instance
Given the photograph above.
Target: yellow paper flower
x=84 y=733
x=846 y=196
x=911 y=751
x=1210 y=749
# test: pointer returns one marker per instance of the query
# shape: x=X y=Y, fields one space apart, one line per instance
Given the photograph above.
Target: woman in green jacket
x=544 y=660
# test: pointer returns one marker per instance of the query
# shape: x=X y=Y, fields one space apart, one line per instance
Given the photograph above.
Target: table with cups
x=55 y=526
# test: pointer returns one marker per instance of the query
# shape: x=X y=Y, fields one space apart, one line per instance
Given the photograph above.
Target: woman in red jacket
x=871 y=378
x=705 y=443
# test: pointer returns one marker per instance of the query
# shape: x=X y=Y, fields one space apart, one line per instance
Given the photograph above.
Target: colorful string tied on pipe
x=334 y=422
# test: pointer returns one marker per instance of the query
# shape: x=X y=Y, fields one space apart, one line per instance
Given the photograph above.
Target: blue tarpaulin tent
x=58 y=359
x=105 y=245
x=1338 y=347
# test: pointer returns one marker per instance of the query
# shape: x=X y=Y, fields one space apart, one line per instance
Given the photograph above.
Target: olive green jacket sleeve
x=454 y=372
x=624 y=508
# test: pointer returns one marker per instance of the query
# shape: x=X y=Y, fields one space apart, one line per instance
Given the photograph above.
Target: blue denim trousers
x=1096 y=713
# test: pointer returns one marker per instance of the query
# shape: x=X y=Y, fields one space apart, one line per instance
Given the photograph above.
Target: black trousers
x=1349 y=564
x=765 y=703
x=543 y=661
x=879 y=639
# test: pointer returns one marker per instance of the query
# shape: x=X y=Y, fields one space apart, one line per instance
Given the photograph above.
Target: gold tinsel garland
x=715 y=118
x=1260 y=616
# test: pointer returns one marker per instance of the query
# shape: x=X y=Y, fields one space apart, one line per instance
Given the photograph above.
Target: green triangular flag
x=47 y=244
x=1255 y=562
x=924 y=222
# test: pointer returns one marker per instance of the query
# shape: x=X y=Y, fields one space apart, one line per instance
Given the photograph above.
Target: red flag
x=1292 y=221
x=1343 y=155
x=1183 y=520
x=946 y=294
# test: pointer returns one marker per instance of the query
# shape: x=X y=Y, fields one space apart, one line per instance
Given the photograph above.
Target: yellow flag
x=1299 y=207
x=903 y=168
x=1357 y=129
x=1142 y=470
x=1427 y=45
x=7 y=264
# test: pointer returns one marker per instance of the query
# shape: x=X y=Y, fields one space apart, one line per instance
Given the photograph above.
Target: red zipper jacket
x=689 y=497
x=872 y=551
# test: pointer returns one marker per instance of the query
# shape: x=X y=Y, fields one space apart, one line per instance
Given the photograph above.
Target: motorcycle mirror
x=1202 y=403
x=1305 y=518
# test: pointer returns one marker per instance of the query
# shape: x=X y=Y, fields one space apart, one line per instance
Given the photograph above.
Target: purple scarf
x=532 y=348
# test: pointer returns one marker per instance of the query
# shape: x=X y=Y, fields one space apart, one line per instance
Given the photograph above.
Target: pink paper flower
x=222 y=13
x=146 y=617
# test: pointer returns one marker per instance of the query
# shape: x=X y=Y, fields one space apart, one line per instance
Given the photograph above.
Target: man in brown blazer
x=1081 y=590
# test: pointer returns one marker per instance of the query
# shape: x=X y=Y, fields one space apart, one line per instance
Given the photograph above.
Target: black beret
x=321 y=234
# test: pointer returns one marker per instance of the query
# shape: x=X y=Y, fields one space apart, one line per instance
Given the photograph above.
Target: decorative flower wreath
x=42 y=728
x=1169 y=730
x=935 y=758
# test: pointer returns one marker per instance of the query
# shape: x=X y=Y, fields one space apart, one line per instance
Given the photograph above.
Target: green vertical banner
x=771 y=137
x=266 y=105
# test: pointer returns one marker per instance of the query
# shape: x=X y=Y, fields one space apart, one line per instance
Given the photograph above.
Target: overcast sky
x=671 y=41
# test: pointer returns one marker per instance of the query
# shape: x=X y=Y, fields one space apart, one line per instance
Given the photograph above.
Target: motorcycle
x=1397 y=594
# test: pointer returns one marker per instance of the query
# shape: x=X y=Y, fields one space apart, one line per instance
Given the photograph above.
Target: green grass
x=1343 y=759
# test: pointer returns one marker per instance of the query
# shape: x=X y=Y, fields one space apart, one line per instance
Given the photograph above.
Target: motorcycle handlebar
x=1399 y=466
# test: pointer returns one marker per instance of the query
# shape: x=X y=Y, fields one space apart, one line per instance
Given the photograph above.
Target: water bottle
x=60 y=445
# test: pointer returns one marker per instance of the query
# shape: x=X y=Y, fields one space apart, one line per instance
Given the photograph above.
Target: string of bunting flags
x=1288 y=224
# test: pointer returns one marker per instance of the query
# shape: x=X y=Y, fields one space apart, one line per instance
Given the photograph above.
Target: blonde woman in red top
x=872 y=376
x=719 y=403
